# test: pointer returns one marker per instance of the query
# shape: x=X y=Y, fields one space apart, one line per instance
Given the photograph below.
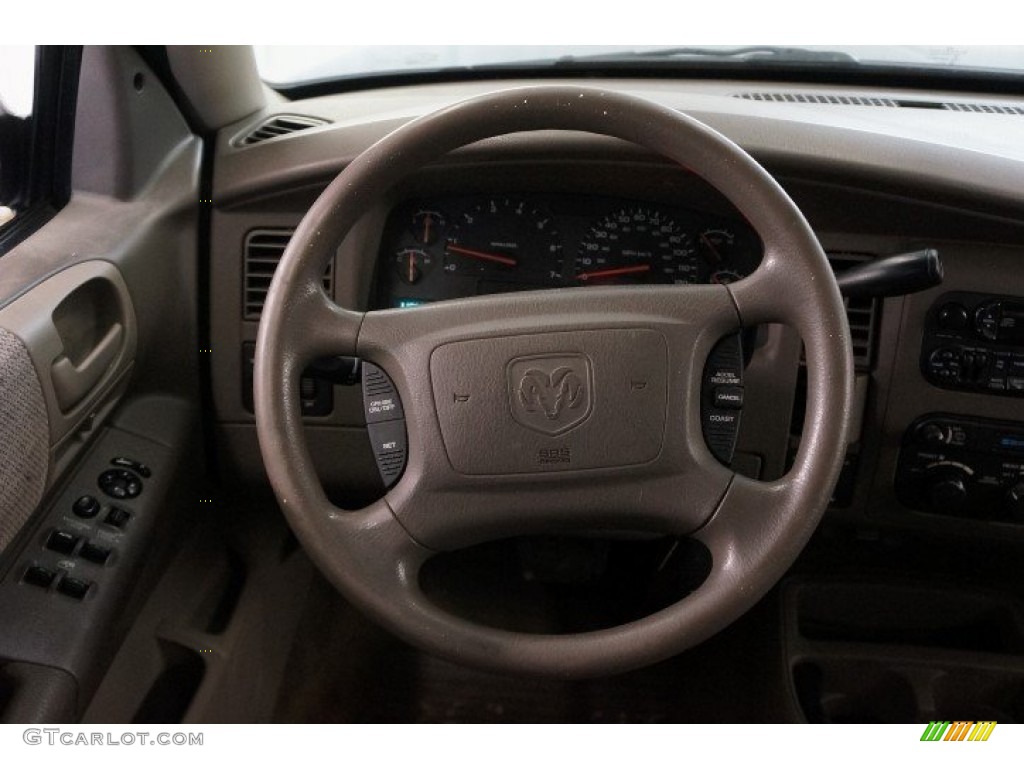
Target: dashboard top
x=945 y=144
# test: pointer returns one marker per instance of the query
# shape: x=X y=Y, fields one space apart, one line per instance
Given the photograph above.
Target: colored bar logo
x=958 y=731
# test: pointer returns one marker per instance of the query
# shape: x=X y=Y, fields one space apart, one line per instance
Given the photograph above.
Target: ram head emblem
x=550 y=394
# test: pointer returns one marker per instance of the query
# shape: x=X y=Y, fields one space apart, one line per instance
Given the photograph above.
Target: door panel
x=99 y=361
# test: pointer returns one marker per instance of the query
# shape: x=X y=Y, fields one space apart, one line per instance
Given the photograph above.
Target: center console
x=969 y=467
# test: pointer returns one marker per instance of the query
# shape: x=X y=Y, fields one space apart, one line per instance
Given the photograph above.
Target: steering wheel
x=628 y=457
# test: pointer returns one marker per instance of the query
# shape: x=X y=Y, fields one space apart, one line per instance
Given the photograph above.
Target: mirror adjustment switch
x=75 y=588
x=120 y=483
x=38 y=576
x=86 y=506
x=136 y=466
x=62 y=542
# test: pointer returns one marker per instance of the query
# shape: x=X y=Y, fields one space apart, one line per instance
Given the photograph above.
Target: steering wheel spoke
x=581 y=413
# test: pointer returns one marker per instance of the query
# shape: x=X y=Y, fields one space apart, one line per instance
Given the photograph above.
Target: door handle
x=71 y=383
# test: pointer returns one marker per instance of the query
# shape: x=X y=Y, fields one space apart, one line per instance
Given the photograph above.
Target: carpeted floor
x=345 y=669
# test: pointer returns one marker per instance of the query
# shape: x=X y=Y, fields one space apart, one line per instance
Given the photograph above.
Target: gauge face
x=636 y=245
x=427 y=226
x=505 y=238
x=412 y=263
x=715 y=246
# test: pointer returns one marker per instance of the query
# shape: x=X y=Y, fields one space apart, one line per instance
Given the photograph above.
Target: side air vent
x=786 y=97
x=279 y=125
x=263 y=250
x=862 y=313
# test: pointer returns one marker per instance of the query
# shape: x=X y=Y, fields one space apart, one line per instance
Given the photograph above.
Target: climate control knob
x=932 y=433
x=947 y=493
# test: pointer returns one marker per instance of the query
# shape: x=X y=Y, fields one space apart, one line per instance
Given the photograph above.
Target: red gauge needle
x=412 y=268
x=717 y=255
x=615 y=271
x=426 y=229
x=506 y=260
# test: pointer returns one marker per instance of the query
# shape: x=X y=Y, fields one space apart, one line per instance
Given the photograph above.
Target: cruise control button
x=86 y=506
x=380 y=397
x=729 y=397
x=722 y=397
x=389 y=448
x=61 y=541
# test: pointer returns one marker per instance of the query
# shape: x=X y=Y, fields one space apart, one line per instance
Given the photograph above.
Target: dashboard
x=545 y=210
x=437 y=248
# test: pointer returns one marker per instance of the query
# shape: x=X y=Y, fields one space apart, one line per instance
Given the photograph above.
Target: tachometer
x=636 y=245
x=505 y=238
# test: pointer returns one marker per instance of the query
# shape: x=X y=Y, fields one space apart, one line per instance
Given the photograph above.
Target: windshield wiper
x=750 y=53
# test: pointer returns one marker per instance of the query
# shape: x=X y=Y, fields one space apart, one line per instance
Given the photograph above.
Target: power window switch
x=38 y=576
x=94 y=553
x=62 y=541
x=117 y=517
x=75 y=588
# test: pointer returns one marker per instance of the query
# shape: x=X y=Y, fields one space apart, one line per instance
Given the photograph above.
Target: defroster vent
x=263 y=250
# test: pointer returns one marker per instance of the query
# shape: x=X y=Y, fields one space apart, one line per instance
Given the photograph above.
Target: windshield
x=284 y=66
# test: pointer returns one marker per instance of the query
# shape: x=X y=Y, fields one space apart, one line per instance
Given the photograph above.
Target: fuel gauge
x=412 y=264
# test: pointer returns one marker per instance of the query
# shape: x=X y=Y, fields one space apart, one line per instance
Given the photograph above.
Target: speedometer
x=636 y=245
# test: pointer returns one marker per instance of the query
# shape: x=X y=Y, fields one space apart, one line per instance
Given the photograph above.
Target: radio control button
x=952 y=316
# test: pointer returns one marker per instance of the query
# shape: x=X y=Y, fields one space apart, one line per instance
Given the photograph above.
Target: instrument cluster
x=451 y=247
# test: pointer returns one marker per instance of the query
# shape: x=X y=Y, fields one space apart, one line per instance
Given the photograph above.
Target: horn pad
x=552 y=402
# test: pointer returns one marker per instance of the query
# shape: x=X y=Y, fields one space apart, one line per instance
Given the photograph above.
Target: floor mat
x=345 y=669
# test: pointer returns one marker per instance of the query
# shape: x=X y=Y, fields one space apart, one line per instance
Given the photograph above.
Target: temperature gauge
x=427 y=227
x=412 y=264
x=715 y=246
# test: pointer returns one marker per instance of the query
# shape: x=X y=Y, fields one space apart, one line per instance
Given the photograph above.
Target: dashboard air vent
x=989 y=109
x=279 y=125
x=789 y=97
x=862 y=313
x=263 y=250
x=817 y=98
